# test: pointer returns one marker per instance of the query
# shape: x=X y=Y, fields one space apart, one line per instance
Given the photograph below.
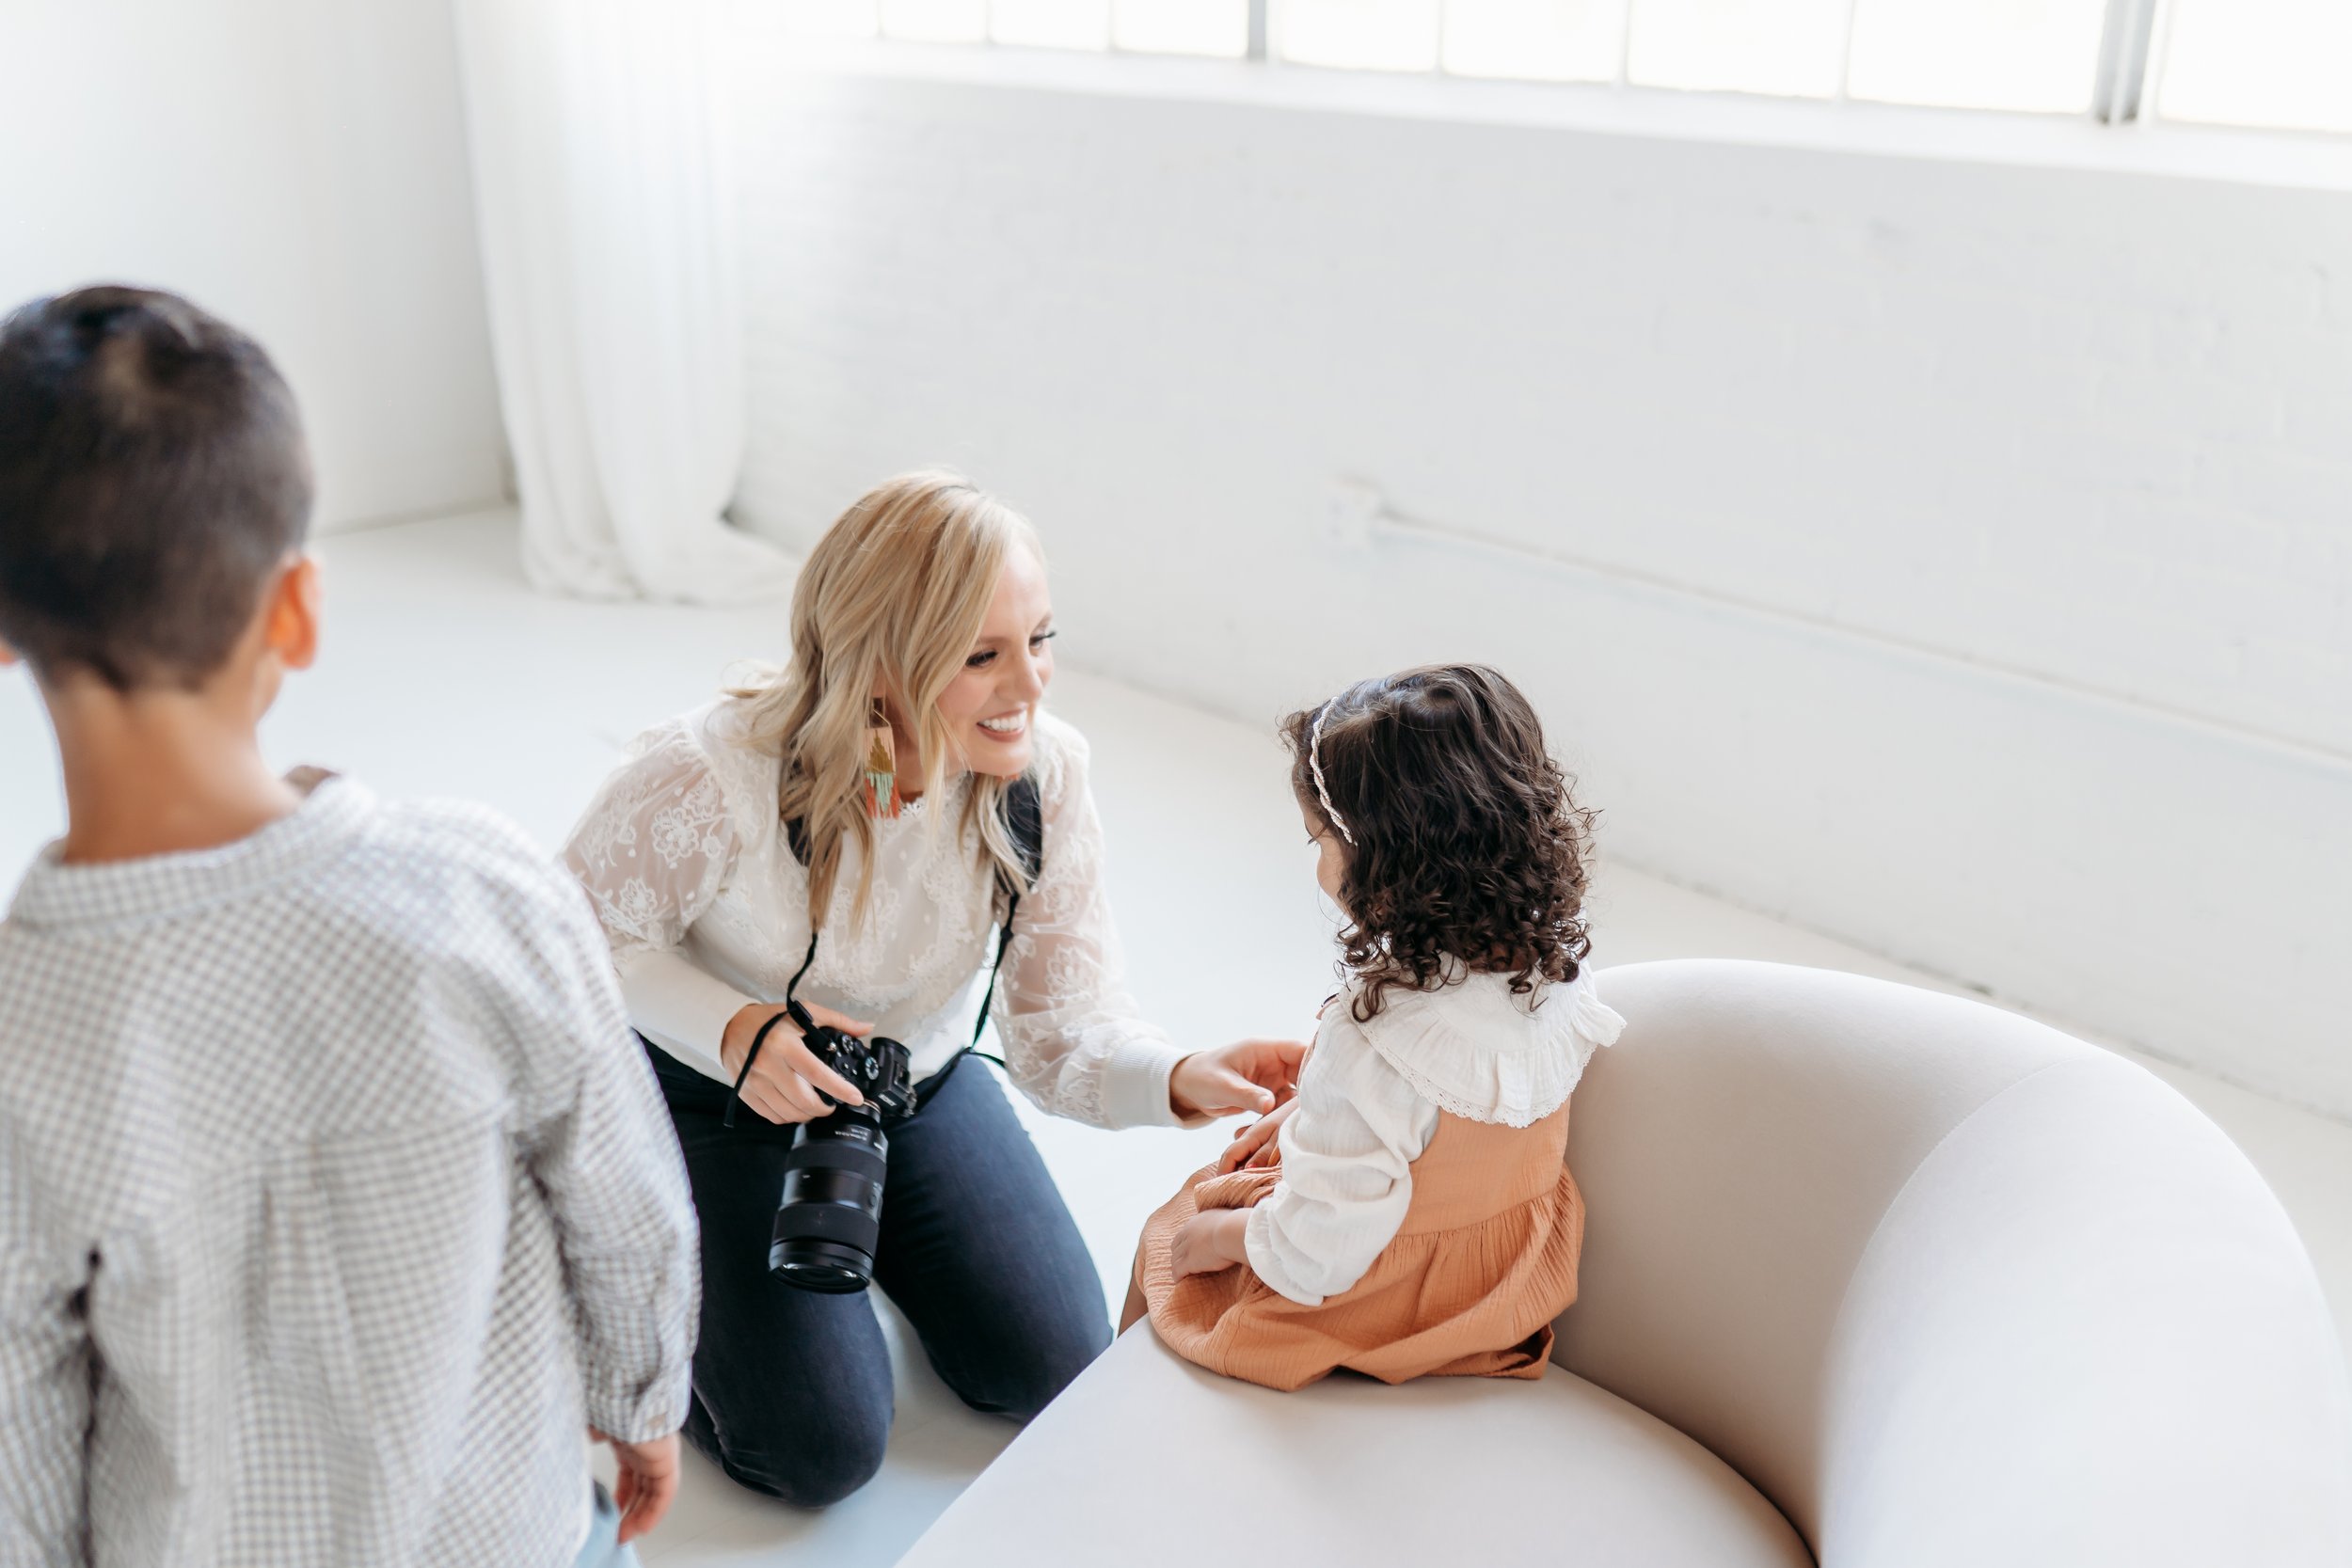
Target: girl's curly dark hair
x=1468 y=844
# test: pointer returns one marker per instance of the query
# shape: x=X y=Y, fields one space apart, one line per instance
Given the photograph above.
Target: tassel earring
x=881 y=768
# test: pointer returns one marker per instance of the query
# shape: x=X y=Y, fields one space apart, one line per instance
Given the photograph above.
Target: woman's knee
x=1020 y=1382
x=809 y=1477
x=813 y=1460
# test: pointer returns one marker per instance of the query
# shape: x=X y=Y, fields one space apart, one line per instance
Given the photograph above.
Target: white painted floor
x=444 y=676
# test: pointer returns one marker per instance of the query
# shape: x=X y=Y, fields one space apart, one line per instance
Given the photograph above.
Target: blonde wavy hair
x=893 y=596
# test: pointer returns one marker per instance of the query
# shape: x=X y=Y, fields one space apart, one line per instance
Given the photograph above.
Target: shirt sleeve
x=681 y=1007
x=1075 y=1042
x=600 y=1145
x=46 y=1413
x=653 y=850
x=1347 y=1155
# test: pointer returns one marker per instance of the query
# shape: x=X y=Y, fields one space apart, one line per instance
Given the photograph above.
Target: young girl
x=1418 y=1217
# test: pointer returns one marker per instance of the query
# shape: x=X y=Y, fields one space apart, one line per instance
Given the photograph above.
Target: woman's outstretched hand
x=1254 y=1145
x=1250 y=1075
x=784 y=1082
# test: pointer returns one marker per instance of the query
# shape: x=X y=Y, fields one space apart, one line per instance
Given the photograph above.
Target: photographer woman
x=875 y=795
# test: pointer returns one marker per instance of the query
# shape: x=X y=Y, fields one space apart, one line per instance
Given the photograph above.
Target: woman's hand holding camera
x=1252 y=1075
x=785 y=1081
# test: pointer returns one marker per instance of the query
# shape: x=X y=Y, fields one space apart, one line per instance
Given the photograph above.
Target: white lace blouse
x=686 y=860
x=1368 y=1106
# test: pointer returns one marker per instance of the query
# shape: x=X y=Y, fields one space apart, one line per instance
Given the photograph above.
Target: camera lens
x=828 y=1218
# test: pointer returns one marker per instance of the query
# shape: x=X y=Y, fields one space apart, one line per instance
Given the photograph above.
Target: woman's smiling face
x=991 y=707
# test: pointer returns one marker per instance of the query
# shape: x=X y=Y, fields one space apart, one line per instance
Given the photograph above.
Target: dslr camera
x=830 y=1215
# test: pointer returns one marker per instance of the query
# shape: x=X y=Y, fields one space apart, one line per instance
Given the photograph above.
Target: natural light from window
x=1789 y=48
x=1051 y=24
x=2276 y=64
x=1357 y=35
x=1182 y=26
x=1143 y=27
x=936 y=20
x=2029 y=55
x=1544 y=40
x=2285 y=63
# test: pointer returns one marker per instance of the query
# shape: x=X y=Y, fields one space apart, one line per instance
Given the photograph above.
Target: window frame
x=2133 y=41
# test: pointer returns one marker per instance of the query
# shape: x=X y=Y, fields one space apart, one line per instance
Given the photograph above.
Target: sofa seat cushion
x=1147 y=1459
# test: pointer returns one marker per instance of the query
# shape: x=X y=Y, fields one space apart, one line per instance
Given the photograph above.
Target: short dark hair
x=1469 y=845
x=152 y=474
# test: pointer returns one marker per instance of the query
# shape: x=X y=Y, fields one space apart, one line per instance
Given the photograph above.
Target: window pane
x=936 y=20
x=2285 y=63
x=1564 y=41
x=1983 y=55
x=1051 y=24
x=1182 y=26
x=1362 y=35
x=833 y=18
x=1793 y=47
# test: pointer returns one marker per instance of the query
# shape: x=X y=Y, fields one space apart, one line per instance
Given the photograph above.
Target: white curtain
x=608 y=248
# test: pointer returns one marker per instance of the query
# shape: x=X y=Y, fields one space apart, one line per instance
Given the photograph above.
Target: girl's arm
x=653 y=849
x=1347 y=1155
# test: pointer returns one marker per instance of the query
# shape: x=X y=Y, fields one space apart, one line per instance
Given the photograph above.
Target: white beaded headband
x=1314 y=766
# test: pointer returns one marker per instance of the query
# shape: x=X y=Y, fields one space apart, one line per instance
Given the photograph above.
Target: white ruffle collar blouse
x=1368 y=1102
x=1485 y=1052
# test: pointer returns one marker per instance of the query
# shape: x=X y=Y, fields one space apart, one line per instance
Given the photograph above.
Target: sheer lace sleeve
x=653 y=850
x=1074 y=1038
x=655 y=844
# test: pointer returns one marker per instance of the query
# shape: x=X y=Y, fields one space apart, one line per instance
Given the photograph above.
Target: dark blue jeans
x=792 y=1388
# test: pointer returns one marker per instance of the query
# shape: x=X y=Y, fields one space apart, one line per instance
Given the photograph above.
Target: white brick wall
x=2084 y=438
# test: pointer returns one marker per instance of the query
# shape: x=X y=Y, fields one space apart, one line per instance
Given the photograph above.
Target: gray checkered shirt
x=335 y=1200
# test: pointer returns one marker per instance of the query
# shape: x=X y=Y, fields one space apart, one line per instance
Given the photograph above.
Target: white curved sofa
x=1874 y=1277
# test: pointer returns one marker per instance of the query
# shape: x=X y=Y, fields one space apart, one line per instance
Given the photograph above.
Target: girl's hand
x=1252 y=1075
x=1254 y=1143
x=1210 y=1242
x=784 y=1082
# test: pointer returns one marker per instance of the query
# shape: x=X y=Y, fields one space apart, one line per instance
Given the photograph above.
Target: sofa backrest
x=1947 y=1284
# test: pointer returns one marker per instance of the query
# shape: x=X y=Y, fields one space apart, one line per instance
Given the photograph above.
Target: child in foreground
x=1416 y=1216
x=335 y=1198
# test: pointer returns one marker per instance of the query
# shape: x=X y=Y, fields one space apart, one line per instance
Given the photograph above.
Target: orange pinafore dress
x=1485 y=1258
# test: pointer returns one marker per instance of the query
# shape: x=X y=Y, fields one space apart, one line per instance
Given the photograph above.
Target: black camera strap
x=988 y=996
x=793 y=1010
x=1025 y=821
